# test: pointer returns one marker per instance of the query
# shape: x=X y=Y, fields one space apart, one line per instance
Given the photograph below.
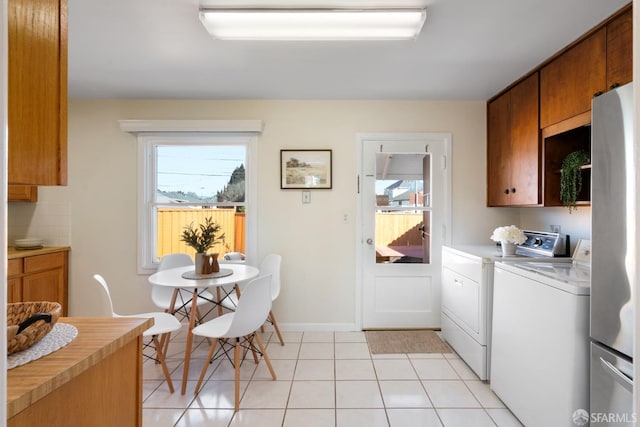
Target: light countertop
x=13 y=253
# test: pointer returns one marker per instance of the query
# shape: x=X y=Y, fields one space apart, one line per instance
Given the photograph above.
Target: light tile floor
x=324 y=379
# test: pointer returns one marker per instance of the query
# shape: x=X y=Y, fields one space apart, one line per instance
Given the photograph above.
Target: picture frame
x=306 y=169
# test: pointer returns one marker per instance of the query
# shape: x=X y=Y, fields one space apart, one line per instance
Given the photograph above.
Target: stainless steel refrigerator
x=613 y=222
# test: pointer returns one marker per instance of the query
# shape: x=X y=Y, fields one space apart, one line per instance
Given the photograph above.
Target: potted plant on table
x=201 y=239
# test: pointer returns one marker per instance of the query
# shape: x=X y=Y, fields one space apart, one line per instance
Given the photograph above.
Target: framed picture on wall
x=306 y=169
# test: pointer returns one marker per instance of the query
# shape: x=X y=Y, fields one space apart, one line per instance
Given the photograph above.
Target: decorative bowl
x=28 y=243
x=29 y=322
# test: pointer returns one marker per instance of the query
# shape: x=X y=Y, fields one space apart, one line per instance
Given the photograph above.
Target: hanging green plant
x=571 y=177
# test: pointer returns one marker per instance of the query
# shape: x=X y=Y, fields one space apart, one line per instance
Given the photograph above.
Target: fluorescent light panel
x=313 y=24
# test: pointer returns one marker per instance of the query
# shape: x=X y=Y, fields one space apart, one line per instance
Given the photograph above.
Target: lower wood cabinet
x=94 y=381
x=39 y=277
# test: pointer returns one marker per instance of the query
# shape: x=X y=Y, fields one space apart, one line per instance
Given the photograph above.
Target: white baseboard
x=315 y=327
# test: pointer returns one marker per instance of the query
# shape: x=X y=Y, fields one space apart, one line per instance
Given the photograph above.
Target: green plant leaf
x=571 y=177
x=202 y=237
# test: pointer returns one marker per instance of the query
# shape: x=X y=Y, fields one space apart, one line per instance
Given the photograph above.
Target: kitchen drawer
x=467 y=266
x=14 y=267
x=44 y=262
x=475 y=354
x=461 y=298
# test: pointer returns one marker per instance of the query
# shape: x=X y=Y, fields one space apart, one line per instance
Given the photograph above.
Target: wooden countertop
x=97 y=338
x=12 y=252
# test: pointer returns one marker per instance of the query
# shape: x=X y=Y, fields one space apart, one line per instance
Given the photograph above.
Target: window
x=403 y=208
x=185 y=178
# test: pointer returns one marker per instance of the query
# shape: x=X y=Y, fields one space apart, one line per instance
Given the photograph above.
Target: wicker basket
x=29 y=322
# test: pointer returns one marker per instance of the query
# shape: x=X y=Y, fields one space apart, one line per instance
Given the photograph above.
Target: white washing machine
x=467 y=292
x=540 y=339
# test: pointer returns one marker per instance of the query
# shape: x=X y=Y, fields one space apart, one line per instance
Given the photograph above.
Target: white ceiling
x=468 y=50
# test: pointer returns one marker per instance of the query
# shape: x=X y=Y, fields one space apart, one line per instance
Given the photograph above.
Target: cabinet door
x=568 y=83
x=37 y=92
x=513 y=146
x=619 y=50
x=45 y=286
x=498 y=164
x=525 y=143
x=14 y=290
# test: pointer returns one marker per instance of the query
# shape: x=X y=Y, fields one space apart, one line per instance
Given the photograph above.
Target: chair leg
x=160 y=357
x=275 y=326
x=164 y=343
x=206 y=366
x=199 y=314
x=236 y=362
x=250 y=346
x=266 y=356
x=219 y=299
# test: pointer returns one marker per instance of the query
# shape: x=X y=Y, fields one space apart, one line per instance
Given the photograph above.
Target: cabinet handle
x=506 y=191
x=613 y=86
x=513 y=190
x=598 y=93
x=457 y=282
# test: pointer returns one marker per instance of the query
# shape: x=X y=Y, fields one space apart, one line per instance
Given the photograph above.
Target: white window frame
x=159 y=132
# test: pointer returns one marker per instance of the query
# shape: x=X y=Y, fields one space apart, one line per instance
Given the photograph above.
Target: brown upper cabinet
x=569 y=82
x=522 y=162
x=620 y=50
x=513 y=149
x=37 y=92
x=599 y=61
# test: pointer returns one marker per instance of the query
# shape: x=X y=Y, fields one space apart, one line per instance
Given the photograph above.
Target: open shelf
x=555 y=149
x=583 y=167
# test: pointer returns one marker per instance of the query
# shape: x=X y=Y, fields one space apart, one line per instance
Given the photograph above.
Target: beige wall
x=317 y=248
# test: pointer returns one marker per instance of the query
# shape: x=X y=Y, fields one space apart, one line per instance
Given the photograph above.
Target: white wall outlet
x=306 y=197
x=345 y=218
x=554 y=228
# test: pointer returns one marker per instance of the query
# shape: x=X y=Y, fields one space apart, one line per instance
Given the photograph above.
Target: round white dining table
x=173 y=278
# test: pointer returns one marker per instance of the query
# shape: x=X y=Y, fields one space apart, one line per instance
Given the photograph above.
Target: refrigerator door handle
x=618 y=375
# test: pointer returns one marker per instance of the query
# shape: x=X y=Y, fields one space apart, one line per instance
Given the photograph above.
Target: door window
x=403 y=205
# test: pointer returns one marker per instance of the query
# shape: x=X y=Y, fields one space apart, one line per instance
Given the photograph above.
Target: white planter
x=508 y=248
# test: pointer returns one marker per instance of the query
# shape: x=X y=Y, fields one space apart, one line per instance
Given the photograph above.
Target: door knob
x=369 y=241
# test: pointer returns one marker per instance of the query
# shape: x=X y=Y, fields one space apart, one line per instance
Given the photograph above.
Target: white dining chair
x=162 y=295
x=270 y=266
x=233 y=257
x=163 y=325
x=239 y=329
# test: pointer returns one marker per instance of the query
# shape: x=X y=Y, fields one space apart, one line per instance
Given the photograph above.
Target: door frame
x=363 y=138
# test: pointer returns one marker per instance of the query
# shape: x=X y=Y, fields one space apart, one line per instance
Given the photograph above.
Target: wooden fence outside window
x=171 y=222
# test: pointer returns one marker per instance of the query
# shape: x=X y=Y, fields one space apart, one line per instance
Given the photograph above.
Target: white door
x=404 y=217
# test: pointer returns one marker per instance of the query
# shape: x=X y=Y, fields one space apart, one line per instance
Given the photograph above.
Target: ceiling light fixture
x=313 y=24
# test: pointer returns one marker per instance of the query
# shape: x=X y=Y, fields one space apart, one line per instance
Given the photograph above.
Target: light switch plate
x=306 y=197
